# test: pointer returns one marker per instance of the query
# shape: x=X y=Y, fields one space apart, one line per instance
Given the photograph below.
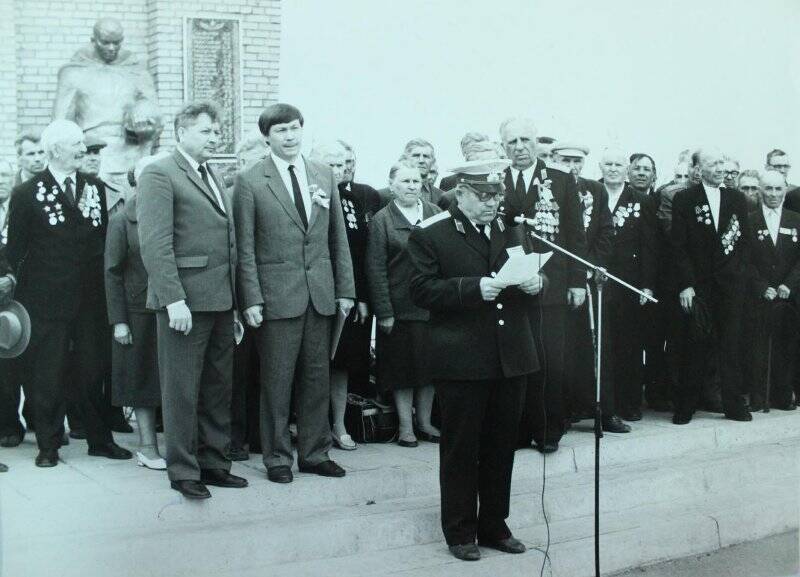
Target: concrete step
x=227 y=536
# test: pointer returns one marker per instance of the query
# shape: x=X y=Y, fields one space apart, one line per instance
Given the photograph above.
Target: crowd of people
x=208 y=306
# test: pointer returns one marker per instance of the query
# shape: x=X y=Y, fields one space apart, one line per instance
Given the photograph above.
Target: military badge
x=623 y=212
x=703 y=214
x=732 y=234
x=52 y=209
x=89 y=205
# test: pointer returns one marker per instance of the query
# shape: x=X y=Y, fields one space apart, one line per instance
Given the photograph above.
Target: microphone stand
x=601 y=276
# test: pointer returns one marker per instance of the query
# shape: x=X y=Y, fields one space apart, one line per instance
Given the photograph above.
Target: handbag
x=368 y=422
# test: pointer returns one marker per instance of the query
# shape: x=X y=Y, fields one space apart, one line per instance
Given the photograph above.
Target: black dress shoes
x=613 y=424
x=790 y=406
x=324 y=469
x=222 y=478
x=423 y=436
x=548 y=447
x=238 y=454
x=739 y=414
x=191 y=489
x=509 y=545
x=110 y=451
x=10 y=441
x=77 y=434
x=47 y=458
x=281 y=474
x=682 y=418
x=466 y=552
x=631 y=415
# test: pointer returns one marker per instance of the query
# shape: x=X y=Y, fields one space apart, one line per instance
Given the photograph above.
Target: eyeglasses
x=733 y=173
x=487 y=196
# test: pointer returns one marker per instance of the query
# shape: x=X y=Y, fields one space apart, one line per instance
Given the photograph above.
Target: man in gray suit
x=294 y=273
x=188 y=247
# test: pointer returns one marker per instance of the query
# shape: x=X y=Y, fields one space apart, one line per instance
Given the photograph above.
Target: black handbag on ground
x=368 y=422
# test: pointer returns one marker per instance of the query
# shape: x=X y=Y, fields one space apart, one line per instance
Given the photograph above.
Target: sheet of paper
x=519 y=268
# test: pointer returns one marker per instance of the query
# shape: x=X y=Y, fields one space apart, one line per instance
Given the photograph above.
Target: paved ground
x=775 y=556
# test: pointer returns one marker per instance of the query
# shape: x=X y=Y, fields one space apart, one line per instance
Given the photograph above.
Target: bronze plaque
x=212 y=71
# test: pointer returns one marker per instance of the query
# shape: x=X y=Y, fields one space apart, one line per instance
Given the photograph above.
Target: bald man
x=549 y=197
x=710 y=240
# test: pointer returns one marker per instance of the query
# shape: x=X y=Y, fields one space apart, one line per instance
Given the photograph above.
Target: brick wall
x=46 y=33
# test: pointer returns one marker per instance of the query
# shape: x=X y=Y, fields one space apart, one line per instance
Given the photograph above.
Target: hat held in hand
x=15 y=330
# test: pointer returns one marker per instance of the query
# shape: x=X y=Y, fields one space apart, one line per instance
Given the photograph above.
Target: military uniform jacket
x=55 y=247
x=775 y=264
x=705 y=257
x=633 y=256
x=470 y=339
x=559 y=220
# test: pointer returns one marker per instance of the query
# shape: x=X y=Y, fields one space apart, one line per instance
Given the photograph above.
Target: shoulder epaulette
x=434 y=219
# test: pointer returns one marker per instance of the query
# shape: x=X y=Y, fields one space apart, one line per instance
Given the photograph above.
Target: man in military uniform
x=481 y=338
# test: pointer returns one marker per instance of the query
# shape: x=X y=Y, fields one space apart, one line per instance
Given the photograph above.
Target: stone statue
x=109 y=93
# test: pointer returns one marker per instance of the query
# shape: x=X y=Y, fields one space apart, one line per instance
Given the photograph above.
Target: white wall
x=649 y=76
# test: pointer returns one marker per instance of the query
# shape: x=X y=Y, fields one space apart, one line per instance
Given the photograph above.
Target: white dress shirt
x=413 y=215
x=302 y=179
x=527 y=176
x=62 y=176
x=772 y=216
x=4 y=213
x=713 y=196
x=613 y=198
x=196 y=166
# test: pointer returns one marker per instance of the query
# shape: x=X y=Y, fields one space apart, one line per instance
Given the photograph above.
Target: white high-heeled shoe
x=158 y=464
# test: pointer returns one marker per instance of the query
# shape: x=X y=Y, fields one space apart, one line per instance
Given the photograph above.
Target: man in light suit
x=294 y=273
x=188 y=247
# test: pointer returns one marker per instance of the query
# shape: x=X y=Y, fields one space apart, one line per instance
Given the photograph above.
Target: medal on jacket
x=460 y=226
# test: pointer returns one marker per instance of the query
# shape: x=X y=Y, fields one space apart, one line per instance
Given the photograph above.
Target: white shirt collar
x=413 y=215
x=767 y=210
x=711 y=189
x=192 y=162
x=62 y=176
x=283 y=165
x=527 y=174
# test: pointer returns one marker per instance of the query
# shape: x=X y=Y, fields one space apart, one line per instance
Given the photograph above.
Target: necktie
x=204 y=175
x=485 y=232
x=69 y=190
x=519 y=189
x=298 y=197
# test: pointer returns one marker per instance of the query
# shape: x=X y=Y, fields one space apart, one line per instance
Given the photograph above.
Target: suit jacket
x=701 y=259
x=792 y=201
x=601 y=229
x=360 y=204
x=774 y=265
x=389 y=267
x=54 y=248
x=561 y=271
x=633 y=258
x=470 y=339
x=281 y=264
x=188 y=243
x=126 y=277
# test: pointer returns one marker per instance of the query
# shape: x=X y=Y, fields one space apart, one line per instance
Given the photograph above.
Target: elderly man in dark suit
x=633 y=259
x=710 y=241
x=56 y=237
x=549 y=197
x=295 y=273
x=188 y=247
x=422 y=153
x=483 y=344
x=775 y=240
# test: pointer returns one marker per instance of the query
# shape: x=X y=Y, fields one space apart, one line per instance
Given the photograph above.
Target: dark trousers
x=476 y=456
x=10 y=399
x=773 y=329
x=725 y=309
x=655 y=325
x=625 y=318
x=580 y=362
x=196 y=371
x=295 y=357
x=54 y=344
x=545 y=410
x=245 y=400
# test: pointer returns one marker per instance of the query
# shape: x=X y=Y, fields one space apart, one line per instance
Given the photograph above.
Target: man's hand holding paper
x=523 y=270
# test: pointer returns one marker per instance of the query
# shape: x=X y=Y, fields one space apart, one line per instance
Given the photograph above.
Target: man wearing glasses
x=730 y=172
x=778 y=160
x=482 y=340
